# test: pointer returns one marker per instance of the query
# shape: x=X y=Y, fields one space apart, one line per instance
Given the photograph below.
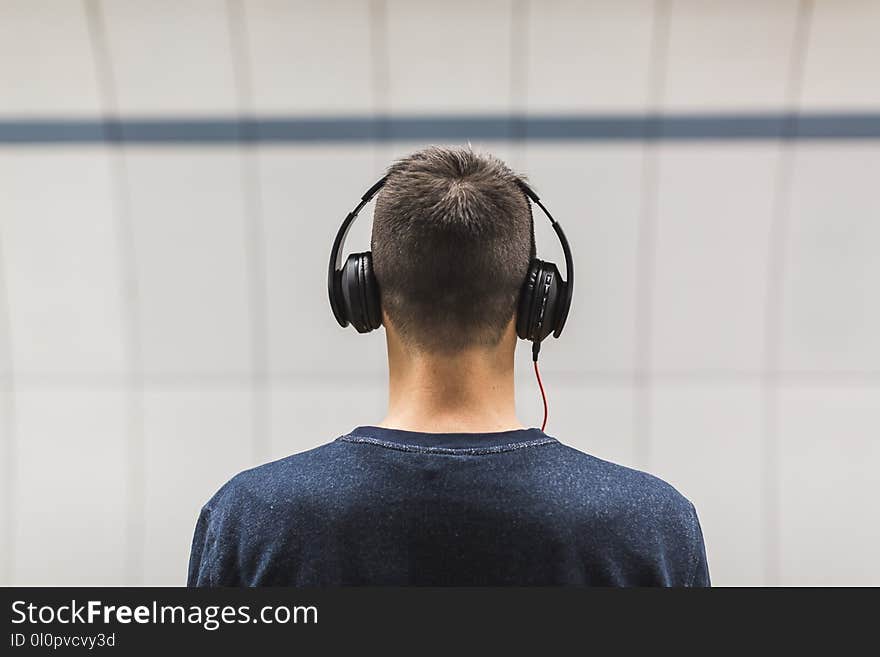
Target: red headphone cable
x=536 y=348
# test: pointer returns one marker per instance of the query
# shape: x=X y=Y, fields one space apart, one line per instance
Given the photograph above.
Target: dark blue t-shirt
x=390 y=507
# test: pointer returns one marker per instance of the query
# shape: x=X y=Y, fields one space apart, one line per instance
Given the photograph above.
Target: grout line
x=380 y=66
x=8 y=426
x=666 y=377
x=255 y=254
x=646 y=244
x=380 y=148
x=645 y=249
x=380 y=80
x=776 y=266
x=236 y=23
x=381 y=83
x=121 y=202
x=588 y=377
x=519 y=78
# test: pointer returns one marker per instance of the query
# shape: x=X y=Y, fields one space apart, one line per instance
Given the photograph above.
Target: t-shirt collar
x=466 y=442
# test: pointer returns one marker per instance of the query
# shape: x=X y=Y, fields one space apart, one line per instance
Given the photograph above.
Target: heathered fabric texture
x=389 y=507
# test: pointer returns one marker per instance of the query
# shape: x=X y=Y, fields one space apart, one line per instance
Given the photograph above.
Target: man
x=450 y=488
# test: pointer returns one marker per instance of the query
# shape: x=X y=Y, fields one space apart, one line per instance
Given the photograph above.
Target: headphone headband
x=568 y=288
x=334 y=274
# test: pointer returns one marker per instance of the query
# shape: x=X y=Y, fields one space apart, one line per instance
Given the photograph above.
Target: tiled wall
x=163 y=312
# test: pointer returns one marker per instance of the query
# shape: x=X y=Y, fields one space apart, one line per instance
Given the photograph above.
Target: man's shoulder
x=657 y=523
x=278 y=480
x=619 y=484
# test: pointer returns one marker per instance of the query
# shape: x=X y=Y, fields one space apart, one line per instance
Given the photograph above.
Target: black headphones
x=544 y=300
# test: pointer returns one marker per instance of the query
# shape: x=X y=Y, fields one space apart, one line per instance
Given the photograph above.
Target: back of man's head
x=452 y=241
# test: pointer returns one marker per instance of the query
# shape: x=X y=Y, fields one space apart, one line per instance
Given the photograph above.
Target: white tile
x=714 y=214
x=830 y=313
x=305 y=414
x=195 y=440
x=840 y=70
x=46 y=65
x=594 y=418
x=590 y=56
x=72 y=492
x=829 y=487
x=190 y=233
x=707 y=442
x=449 y=57
x=60 y=246
x=306 y=193
x=729 y=56
x=594 y=192
x=170 y=56
x=310 y=58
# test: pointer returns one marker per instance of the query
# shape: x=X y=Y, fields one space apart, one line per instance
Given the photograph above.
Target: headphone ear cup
x=360 y=293
x=539 y=301
x=372 y=304
x=337 y=297
x=526 y=296
x=351 y=292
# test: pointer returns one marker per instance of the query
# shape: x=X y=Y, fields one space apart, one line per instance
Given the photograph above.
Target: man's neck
x=465 y=392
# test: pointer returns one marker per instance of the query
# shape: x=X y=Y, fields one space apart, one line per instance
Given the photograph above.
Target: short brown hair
x=452 y=240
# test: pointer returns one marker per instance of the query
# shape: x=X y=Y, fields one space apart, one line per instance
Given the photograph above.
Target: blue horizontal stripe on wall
x=231 y=130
